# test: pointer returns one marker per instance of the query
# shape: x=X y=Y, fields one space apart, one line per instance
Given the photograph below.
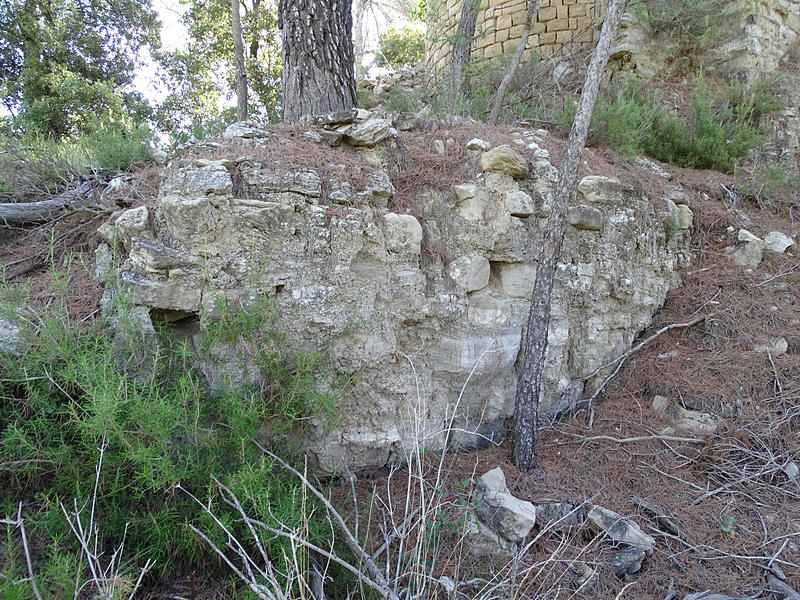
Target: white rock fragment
x=749 y=252
x=778 y=242
x=478 y=144
x=773 y=346
x=508 y=516
x=470 y=272
x=620 y=529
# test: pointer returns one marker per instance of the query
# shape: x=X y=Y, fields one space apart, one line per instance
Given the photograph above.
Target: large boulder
x=411 y=307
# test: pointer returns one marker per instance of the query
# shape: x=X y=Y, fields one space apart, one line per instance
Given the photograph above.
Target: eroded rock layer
x=424 y=310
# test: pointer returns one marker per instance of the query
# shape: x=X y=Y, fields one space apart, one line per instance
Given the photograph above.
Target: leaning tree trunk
x=238 y=53
x=499 y=98
x=462 y=47
x=533 y=353
x=318 y=73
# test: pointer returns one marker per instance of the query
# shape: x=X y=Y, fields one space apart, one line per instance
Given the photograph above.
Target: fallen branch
x=21 y=213
x=625 y=355
x=631 y=440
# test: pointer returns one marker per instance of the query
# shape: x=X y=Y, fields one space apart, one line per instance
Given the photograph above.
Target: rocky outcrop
x=425 y=311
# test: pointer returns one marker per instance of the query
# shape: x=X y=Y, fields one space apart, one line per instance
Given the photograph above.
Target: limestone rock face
x=424 y=314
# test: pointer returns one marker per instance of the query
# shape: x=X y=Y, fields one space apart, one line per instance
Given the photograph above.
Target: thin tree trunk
x=238 y=54
x=499 y=99
x=533 y=353
x=462 y=47
x=358 y=31
x=254 y=44
x=318 y=74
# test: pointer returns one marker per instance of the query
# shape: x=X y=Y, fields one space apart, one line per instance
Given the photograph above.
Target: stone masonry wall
x=768 y=33
x=500 y=24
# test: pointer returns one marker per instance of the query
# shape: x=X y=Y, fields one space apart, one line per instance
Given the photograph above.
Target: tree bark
x=535 y=344
x=318 y=71
x=21 y=213
x=499 y=99
x=462 y=46
x=238 y=54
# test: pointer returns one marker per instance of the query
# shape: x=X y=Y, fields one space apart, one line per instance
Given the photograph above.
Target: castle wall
x=500 y=23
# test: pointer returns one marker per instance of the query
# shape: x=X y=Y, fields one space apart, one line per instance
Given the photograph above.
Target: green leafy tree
x=401 y=46
x=67 y=66
x=202 y=76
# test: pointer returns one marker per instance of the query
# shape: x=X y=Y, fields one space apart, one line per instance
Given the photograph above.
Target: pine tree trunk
x=531 y=364
x=238 y=54
x=318 y=73
x=462 y=47
x=499 y=98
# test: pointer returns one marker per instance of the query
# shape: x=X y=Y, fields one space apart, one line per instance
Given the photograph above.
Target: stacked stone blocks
x=573 y=23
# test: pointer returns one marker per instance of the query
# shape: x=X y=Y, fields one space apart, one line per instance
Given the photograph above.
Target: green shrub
x=401 y=46
x=400 y=100
x=695 y=25
x=716 y=130
x=67 y=396
x=32 y=165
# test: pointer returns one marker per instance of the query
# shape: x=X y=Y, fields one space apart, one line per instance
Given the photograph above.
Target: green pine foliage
x=716 y=129
x=75 y=391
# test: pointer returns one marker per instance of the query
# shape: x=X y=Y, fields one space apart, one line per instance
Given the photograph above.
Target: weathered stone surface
x=627 y=562
x=587 y=218
x=133 y=223
x=483 y=541
x=505 y=160
x=11 y=341
x=159 y=156
x=265 y=182
x=749 y=251
x=371 y=286
x=196 y=178
x=369 y=133
x=517 y=279
x=403 y=233
x=478 y=144
x=683 y=419
x=685 y=217
x=778 y=242
x=559 y=516
x=620 y=529
x=470 y=272
x=509 y=517
x=648 y=164
x=465 y=191
x=520 y=204
x=246 y=130
x=338 y=118
x=380 y=185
